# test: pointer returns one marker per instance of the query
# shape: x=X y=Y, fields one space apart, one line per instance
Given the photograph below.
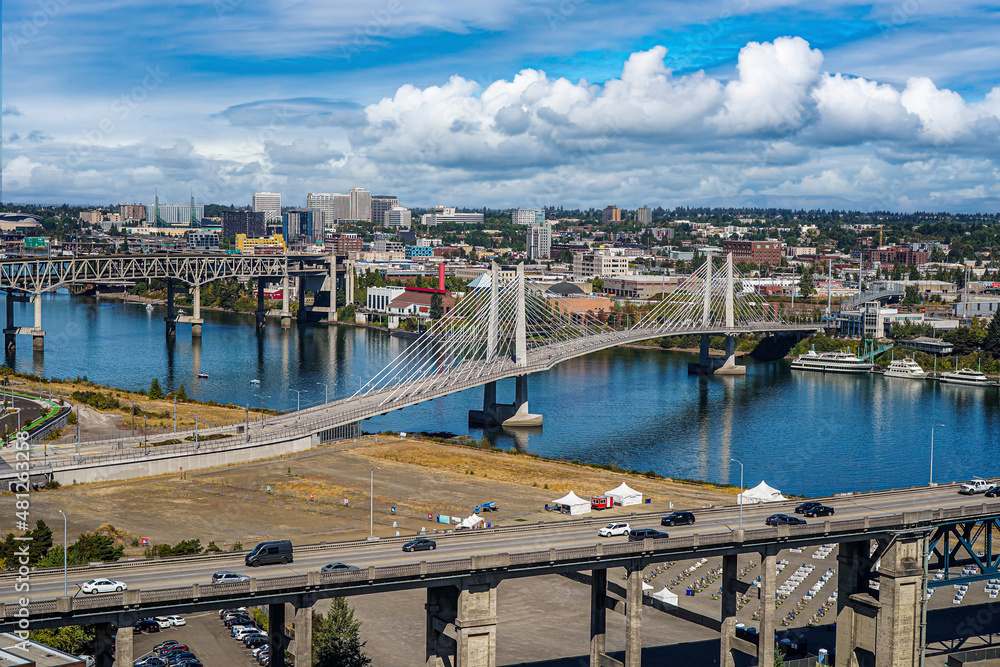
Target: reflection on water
x=802 y=432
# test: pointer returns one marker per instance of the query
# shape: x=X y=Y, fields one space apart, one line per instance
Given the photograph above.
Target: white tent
x=623 y=494
x=474 y=521
x=646 y=587
x=666 y=595
x=572 y=504
x=762 y=493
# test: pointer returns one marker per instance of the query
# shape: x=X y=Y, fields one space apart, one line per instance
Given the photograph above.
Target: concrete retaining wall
x=162 y=465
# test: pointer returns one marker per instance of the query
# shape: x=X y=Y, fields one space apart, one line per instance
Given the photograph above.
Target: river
x=806 y=433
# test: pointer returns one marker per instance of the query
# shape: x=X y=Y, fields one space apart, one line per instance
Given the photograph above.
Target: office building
x=385 y=245
x=132 y=212
x=342 y=243
x=448 y=214
x=756 y=252
x=200 y=240
x=641 y=287
x=361 y=204
x=272 y=245
x=268 y=203
x=598 y=264
x=611 y=214
x=539 y=241
x=302 y=226
x=176 y=215
x=248 y=223
x=412 y=251
x=397 y=217
x=527 y=216
x=644 y=216
x=382 y=204
x=333 y=206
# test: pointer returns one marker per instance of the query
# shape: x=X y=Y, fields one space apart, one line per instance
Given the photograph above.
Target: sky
x=576 y=103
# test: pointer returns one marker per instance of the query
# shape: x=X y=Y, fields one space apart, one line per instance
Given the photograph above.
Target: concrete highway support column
x=124 y=647
x=857 y=610
x=598 y=615
x=9 y=335
x=703 y=359
x=441 y=607
x=900 y=576
x=276 y=640
x=102 y=645
x=304 y=630
x=171 y=318
x=348 y=282
x=729 y=366
x=261 y=312
x=196 y=320
x=332 y=317
x=286 y=315
x=768 y=591
x=301 y=289
x=462 y=625
x=633 y=618
x=730 y=572
x=37 y=333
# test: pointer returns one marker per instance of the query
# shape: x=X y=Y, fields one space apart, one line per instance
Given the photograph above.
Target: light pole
x=261 y=408
x=371 y=501
x=931 y=481
x=741 y=491
x=65 y=561
x=298 y=397
x=326 y=392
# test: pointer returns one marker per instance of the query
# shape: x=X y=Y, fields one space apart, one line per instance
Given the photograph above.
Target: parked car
x=223 y=612
x=805 y=507
x=178 y=658
x=640 y=534
x=243 y=632
x=333 y=567
x=974 y=486
x=176 y=620
x=174 y=650
x=420 y=544
x=167 y=648
x=146 y=625
x=166 y=643
x=255 y=642
x=163 y=622
x=228 y=577
x=615 y=528
x=783 y=520
x=266 y=553
x=149 y=661
x=819 y=510
x=678 y=519
x=237 y=620
x=103 y=586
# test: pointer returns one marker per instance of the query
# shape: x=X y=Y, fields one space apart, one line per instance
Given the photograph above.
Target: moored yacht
x=905 y=368
x=831 y=362
x=966 y=376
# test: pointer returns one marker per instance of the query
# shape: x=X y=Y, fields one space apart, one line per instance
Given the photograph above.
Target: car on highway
x=420 y=544
x=266 y=553
x=640 y=534
x=993 y=492
x=103 y=586
x=974 y=486
x=176 y=620
x=146 y=625
x=819 y=510
x=614 y=528
x=783 y=520
x=678 y=519
x=334 y=567
x=805 y=507
x=228 y=577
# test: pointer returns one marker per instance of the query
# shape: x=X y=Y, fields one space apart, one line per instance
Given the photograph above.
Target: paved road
x=551 y=535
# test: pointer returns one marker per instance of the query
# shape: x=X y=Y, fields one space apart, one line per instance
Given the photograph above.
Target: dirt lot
x=305 y=502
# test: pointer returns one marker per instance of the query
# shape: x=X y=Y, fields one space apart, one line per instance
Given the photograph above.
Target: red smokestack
x=441 y=275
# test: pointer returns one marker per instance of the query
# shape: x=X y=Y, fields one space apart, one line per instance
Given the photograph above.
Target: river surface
x=805 y=433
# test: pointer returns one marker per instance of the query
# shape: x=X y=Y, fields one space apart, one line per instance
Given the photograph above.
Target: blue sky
x=739 y=102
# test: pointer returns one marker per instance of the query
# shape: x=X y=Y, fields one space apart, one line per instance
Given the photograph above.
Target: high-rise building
x=612 y=214
x=361 y=204
x=250 y=223
x=527 y=216
x=644 y=216
x=539 y=241
x=302 y=226
x=177 y=215
x=382 y=204
x=268 y=203
x=132 y=212
x=398 y=217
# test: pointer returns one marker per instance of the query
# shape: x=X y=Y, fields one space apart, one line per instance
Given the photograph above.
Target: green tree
x=806 y=285
x=914 y=274
x=181 y=393
x=911 y=296
x=90 y=547
x=155 y=391
x=336 y=638
x=72 y=639
x=437 y=306
x=991 y=344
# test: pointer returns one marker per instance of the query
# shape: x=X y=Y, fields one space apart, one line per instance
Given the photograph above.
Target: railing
x=890 y=290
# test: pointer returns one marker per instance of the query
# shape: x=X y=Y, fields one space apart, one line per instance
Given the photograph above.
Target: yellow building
x=247 y=246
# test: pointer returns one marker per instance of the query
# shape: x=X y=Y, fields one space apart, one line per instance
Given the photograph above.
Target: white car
x=246 y=631
x=617 y=528
x=103 y=586
x=163 y=622
x=176 y=620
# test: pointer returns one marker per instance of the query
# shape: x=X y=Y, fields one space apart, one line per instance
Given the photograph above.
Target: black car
x=238 y=620
x=640 y=534
x=146 y=625
x=254 y=641
x=994 y=492
x=805 y=507
x=819 y=510
x=783 y=520
x=677 y=519
x=420 y=544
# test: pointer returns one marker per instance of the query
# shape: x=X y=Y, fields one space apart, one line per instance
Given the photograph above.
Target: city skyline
x=888 y=106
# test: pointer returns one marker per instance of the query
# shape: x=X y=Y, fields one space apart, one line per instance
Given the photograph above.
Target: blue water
x=802 y=432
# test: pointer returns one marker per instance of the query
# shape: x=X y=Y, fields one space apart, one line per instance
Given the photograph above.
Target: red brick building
x=342 y=243
x=898 y=255
x=757 y=252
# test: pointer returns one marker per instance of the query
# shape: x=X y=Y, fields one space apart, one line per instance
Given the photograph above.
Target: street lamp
x=261 y=408
x=741 y=491
x=931 y=481
x=298 y=397
x=65 y=561
x=371 y=500
x=326 y=392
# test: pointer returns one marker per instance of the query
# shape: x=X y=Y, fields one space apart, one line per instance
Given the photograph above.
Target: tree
x=991 y=344
x=910 y=295
x=336 y=639
x=155 y=391
x=806 y=286
x=914 y=274
x=437 y=306
x=181 y=393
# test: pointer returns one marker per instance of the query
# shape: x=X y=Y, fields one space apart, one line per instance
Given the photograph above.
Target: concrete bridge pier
x=768 y=605
x=277 y=642
x=171 y=318
x=462 y=624
x=506 y=414
x=124 y=646
x=633 y=617
x=37 y=333
x=300 y=285
x=598 y=617
x=857 y=609
x=261 y=312
x=729 y=366
x=196 y=320
x=11 y=331
x=286 y=315
x=102 y=644
x=302 y=649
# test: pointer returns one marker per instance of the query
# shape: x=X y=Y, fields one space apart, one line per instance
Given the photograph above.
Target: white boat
x=966 y=376
x=831 y=362
x=905 y=368
x=149 y=307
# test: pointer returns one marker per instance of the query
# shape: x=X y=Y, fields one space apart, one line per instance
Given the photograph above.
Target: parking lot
x=205 y=636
